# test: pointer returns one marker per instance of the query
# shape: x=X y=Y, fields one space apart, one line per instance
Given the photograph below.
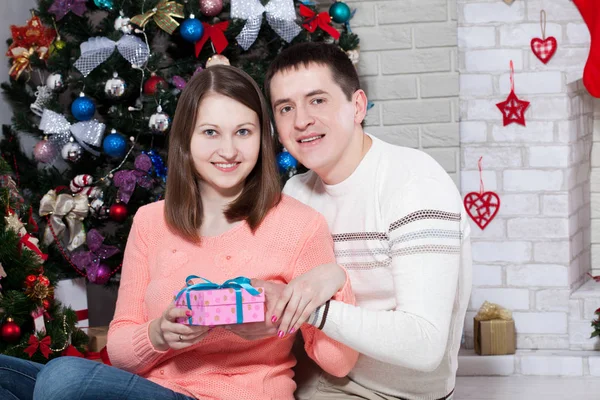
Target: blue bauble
x=191 y=29
x=83 y=108
x=340 y=12
x=105 y=4
x=285 y=161
x=115 y=145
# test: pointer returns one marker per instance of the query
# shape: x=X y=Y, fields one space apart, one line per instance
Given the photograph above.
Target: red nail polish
x=292 y=330
x=273 y=318
x=280 y=334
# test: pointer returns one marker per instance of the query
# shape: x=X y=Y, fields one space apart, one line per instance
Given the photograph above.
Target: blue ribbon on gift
x=236 y=284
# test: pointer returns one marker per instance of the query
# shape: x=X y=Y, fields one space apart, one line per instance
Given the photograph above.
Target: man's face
x=314 y=119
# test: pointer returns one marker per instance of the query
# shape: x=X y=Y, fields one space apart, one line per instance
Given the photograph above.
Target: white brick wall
x=536 y=251
x=408 y=68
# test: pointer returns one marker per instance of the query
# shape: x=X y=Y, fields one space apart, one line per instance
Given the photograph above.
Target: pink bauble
x=211 y=8
x=45 y=151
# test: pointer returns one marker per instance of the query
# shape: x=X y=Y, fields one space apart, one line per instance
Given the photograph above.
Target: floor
x=526 y=388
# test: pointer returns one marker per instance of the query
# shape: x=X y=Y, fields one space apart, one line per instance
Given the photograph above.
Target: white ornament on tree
x=55 y=81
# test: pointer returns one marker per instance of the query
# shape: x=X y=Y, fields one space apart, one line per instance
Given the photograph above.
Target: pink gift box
x=219 y=307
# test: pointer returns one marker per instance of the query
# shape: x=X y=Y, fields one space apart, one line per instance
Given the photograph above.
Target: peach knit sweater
x=292 y=239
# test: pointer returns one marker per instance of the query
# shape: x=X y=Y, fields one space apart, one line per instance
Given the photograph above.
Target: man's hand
x=261 y=330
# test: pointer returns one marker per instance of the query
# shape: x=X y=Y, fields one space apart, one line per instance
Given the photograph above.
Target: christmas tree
x=33 y=325
x=96 y=83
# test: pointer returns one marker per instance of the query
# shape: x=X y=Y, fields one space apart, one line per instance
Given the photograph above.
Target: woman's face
x=225 y=144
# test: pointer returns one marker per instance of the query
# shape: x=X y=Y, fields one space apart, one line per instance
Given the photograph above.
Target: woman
x=223 y=216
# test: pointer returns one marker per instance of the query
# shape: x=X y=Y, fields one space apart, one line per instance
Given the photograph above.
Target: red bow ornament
x=312 y=20
x=216 y=33
x=35 y=344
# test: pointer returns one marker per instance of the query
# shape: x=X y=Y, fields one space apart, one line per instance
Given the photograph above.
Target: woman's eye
x=210 y=132
x=243 y=132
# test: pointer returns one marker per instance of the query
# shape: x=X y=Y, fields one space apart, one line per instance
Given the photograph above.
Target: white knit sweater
x=400 y=229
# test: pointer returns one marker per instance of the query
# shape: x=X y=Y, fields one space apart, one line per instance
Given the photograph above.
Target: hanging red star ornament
x=482 y=207
x=513 y=109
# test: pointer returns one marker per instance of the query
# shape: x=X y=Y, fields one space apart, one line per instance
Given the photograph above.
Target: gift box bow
x=236 y=284
x=489 y=311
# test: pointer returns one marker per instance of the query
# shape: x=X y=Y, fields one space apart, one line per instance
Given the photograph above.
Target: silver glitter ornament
x=115 y=87
x=72 y=152
x=211 y=8
x=159 y=121
x=55 y=81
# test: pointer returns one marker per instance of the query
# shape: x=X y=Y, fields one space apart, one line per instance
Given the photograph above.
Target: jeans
x=75 y=378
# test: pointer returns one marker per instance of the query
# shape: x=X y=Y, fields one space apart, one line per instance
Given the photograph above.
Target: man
x=398 y=225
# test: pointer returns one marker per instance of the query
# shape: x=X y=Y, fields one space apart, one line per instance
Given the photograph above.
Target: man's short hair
x=303 y=54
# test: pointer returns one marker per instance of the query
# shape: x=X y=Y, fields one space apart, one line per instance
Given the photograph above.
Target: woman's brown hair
x=262 y=189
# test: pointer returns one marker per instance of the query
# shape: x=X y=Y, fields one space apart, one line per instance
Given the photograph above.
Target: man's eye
x=285 y=109
x=318 y=101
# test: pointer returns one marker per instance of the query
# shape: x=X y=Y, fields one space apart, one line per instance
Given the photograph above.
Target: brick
x=415 y=61
x=452 y=10
x=483 y=110
x=594 y=364
x=512 y=299
x=469 y=181
x=552 y=300
x=409 y=11
x=548 y=156
x=481 y=13
x=476 y=132
x=577 y=244
x=520 y=204
x=501 y=251
x=551 y=252
x=565 y=58
x=552 y=366
x=596 y=156
x=530 y=228
x=532 y=180
x=373 y=116
x=407 y=136
x=555 y=204
x=364 y=16
x=567 y=131
x=577 y=33
x=439 y=85
x=555 y=10
x=368 y=64
x=579 y=334
x=595 y=204
x=596 y=229
x=494 y=60
x=496 y=230
x=596 y=255
x=487 y=275
x=590 y=305
x=475 y=85
x=542 y=341
x=575 y=308
x=548 y=108
x=435 y=35
x=493 y=157
x=390 y=87
x=445 y=157
x=594 y=178
x=475 y=365
x=414 y=112
x=534 y=275
x=440 y=135
x=511 y=35
x=384 y=37
x=533 y=83
x=472 y=37
x=532 y=133
x=540 y=322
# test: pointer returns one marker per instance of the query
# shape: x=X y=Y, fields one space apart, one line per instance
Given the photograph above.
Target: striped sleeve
x=424 y=244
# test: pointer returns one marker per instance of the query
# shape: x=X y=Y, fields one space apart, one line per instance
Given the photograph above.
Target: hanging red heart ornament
x=545 y=47
x=482 y=207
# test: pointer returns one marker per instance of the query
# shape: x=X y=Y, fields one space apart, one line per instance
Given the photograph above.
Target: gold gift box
x=97 y=338
x=494 y=331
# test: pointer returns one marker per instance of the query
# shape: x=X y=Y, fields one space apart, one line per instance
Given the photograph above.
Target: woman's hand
x=261 y=330
x=304 y=294
x=166 y=333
